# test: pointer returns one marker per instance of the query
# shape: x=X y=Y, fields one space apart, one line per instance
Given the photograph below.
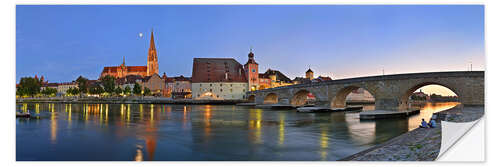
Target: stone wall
x=391 y=92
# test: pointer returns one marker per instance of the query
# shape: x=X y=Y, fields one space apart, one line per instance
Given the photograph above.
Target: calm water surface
x=198 y=132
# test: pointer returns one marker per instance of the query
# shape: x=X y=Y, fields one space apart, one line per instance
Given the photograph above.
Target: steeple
x=152 y=41
x=251 y=59
x=152 y=67
x=123 y=60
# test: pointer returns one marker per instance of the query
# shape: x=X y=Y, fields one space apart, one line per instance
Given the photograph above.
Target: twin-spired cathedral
x=122 y=70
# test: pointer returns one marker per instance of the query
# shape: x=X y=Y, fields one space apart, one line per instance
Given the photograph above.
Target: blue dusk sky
x=340 y=41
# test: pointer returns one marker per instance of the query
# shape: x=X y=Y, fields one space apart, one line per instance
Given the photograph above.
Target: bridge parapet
x=391 y=92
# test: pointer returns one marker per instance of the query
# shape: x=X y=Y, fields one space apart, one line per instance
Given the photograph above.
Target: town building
x=218 y=79
x=310 y=78
x=122 y=71
x=178 y=87
x=269 y=79
x=129 y=81
x=309 y=74
x=46 y=85
x=420 y=96
x=63 y=87
x=273 y=78
x=154 y=83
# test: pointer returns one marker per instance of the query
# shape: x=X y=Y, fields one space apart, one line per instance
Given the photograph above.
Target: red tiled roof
x=215 y=70
x=137 y=68
x=112 y=69
x=129 y=79
x=179 y=78
x=279 y=76
x=129 y=68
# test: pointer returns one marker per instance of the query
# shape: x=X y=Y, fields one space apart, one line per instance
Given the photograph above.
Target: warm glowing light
x=324 y=143
x=128 y=113
x=282 y=129
x=106 y=118
x=37 y=108
x=436 y=89
x=152 y=113
x=53 y=127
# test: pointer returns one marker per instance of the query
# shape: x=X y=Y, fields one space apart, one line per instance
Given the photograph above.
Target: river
x=128 y=132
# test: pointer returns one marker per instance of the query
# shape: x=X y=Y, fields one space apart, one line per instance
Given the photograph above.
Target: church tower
x=310 y=74
x=152 y=57
x=252 y=71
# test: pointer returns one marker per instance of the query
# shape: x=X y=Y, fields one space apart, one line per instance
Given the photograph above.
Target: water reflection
x=197 y=132
x=426 y=111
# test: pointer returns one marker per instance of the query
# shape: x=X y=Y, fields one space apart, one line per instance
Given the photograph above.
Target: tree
x=72 y=91
x=118 y=90
x=127 y=90
x=147 y=92
x=96 y=89
x=109 y=84
x=82 y=84
x=29 y=86
x=137 y=89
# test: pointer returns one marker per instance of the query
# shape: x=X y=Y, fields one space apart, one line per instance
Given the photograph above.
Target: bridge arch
x=251 y=98
x=405 y=97
x=302 y=97
x=339 y=100
x=271 y=98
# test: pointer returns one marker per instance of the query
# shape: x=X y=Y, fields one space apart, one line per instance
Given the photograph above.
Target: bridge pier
x=388 y=104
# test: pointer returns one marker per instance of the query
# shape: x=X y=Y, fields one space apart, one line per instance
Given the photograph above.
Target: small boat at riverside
x=353 y=108
x=23 y=114
x=315 y=110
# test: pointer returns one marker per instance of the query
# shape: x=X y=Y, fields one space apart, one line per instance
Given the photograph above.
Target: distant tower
x=122 y=71
x=252 y=71
x=309 y=74
x=152 y=57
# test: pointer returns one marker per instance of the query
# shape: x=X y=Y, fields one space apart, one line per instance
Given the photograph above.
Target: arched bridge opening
x=429 y=93
x=303 y=97
x=353 y=95
x=251 y=98
x=271 y=98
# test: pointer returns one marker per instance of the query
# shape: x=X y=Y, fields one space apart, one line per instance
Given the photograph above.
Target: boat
x=23 y=114
x=314 y=110
x=354 y=108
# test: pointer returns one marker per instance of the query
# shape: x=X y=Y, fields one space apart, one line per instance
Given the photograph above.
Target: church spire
x=152 y=67
x=123 y=60
x=152 y=41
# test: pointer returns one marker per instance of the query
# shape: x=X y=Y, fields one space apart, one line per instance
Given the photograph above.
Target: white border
x=7 y=48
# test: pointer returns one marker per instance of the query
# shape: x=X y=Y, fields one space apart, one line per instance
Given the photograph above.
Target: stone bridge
x=391 y=92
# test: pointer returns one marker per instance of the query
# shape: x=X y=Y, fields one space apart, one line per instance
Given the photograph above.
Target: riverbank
x=124 y=100
x=419 y=144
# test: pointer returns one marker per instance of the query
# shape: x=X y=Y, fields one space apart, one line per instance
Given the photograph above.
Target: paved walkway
x=422 y=144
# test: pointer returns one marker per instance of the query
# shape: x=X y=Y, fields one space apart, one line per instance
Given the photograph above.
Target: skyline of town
x=447 y=25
